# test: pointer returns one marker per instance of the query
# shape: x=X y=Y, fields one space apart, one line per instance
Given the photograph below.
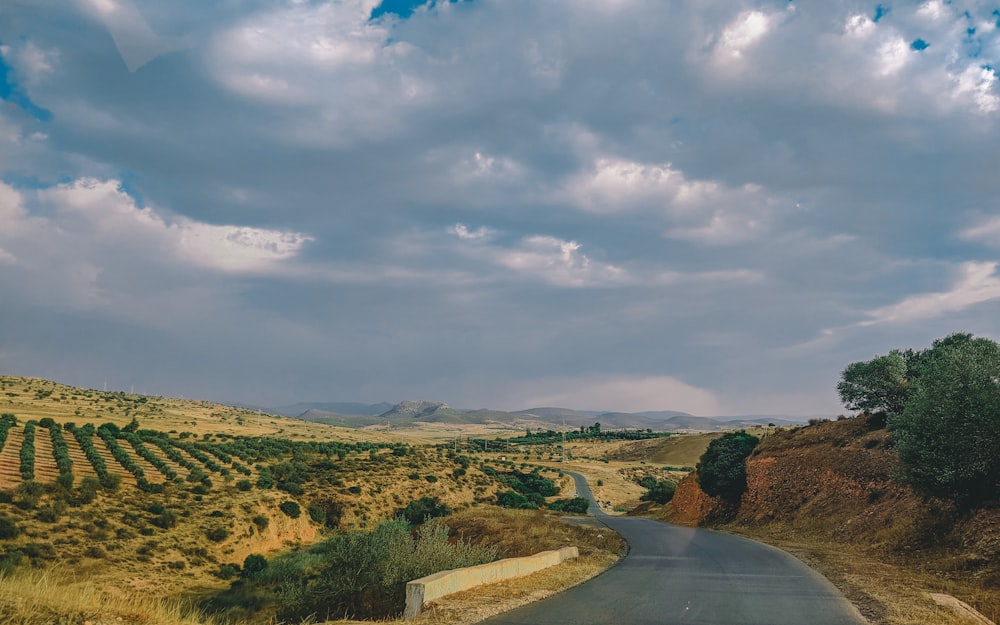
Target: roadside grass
x=886 y=592
x=44 y=597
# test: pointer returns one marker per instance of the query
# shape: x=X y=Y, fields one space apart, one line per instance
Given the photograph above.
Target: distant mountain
x=664 y=414
x=411 y=412
x=339 y=408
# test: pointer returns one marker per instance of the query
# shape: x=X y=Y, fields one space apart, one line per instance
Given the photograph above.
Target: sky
x=708 y=206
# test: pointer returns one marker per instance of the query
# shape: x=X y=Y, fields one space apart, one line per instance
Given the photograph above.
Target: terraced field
x=47 y=471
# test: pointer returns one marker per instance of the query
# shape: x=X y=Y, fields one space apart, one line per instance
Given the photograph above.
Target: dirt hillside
x=832 y=484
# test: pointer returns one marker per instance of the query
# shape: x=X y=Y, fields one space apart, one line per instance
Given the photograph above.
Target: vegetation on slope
x=911 y=487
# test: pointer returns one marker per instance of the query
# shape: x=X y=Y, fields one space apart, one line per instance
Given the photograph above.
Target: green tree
x=877 y=385
x=948 y=435
x=722 y=470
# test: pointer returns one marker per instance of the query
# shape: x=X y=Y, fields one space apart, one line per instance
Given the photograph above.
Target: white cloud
x=976 y=83
x=615 y=392
x=479 y=234
x=103 y=213
x=976 y=283
x=933 y=10
x=742 y=33
x=988 y=232
x=893 y=55
x=280 y=55
x=558 y=262
x=858 y=26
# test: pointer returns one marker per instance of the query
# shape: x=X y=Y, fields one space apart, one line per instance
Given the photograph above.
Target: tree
x=722 y=470
x=948 y=435
x=878 y=385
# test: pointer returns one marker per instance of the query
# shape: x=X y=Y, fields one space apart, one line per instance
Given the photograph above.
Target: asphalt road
x=677 y=575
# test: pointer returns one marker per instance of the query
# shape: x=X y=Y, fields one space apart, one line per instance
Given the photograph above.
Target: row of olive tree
x=942 y=406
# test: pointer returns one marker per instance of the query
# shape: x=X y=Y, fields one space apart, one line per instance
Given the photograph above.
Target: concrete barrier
x=420 y=591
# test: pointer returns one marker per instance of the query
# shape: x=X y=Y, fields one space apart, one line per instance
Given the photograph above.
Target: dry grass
x=887 y=593
x=43 y=598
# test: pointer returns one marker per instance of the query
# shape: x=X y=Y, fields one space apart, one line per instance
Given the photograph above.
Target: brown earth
x=826 y=492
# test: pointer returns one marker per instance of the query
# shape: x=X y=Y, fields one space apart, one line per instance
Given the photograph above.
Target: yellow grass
x=43 y=598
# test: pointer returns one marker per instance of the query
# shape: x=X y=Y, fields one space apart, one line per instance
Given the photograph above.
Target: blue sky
x=607 y=204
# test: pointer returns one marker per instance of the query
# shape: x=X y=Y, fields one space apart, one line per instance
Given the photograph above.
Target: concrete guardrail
x=420 y=591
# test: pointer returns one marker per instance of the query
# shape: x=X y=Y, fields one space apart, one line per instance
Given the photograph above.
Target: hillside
x=168 y=496
x=827 y=492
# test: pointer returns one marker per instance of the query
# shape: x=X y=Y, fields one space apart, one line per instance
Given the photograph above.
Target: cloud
x=100 y=208
x=976 y=283
x=615 y=392
x=479 y=234
x=558 y=262
x=135 y=40
x=742 y=33
x=988 y=232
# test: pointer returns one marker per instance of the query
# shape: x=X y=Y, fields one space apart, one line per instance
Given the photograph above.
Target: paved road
x=678 y=575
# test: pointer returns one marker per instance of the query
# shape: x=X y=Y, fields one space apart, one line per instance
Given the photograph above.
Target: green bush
x=217 y=534
x=291 y=509
x=260 y=521
x=317 y=514
x=363 y=574
x=244 y=485
x=423 y=509
x=722 y=470
x=511 y=499
x=576 y=505
x=8 y=528
x=661 y=491
x=253 y=566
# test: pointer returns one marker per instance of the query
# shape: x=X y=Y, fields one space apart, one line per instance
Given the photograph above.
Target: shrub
x=165 y=520
x=244 y=485
x=317 y=514
x=291 y=509
x=661 y=491
x=217 y=534
x=87 y=491
x=511 y=499
x=8 y=528
x=576 y=505
x=260 y=521
x=722 y=470
x=253 y=566
x=423 y=509
x=364 y=574
x=431 y=478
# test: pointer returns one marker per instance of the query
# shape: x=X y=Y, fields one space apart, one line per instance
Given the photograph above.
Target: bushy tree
x=948 y=435
x=722 y=470
x=877 y=385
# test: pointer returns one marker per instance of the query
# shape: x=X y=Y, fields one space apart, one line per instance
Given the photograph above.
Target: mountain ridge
x=409 y=413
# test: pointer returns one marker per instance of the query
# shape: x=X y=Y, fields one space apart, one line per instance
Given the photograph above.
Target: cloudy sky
x=709 y=206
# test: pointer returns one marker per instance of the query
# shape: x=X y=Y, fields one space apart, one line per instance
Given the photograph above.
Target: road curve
x=683 y=576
